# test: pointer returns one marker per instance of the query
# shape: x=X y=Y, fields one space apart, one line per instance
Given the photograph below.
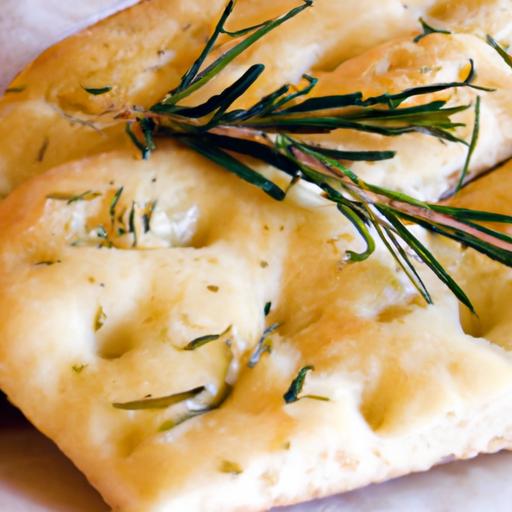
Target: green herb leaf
x=88 y=195
x=220 y=102
x=79 y=368
x=221 y=398
x=264 y=343
x=159 y=403
x=472 y=145
x=99 y=318
x=427 y=30
x=203 y=340
x=113 y=205
x=292 y=395
x=316 y=397
x=501 y=51
x=101 y=232
x=47 y=263
x=426 y=256
x=97 y=91
x=235 y=166
x=267 y=308
x=132 y=228
x=194 y=80
x=354 y=156
x=148 y=215
x=359 y=224
x=14 y=90
x=144 y=149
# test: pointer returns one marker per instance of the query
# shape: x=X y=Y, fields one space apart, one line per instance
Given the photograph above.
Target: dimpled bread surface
x=86 y=324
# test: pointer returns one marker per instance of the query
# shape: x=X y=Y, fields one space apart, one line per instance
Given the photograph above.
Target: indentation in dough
x=471 y=324
x=378 y=404
x=116 y=341
x=492 y=304
x=131 y=225
x=395 y=312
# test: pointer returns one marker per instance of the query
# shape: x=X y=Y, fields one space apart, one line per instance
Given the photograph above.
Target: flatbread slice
x=143 y=51
x=92 y=323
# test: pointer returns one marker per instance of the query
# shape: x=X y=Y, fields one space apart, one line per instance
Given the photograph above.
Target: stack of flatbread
x=90 y=333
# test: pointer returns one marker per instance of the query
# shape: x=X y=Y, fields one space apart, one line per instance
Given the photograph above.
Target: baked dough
x=142 y=51
x=479 y=17
x=407 y=386
x=426 y=168
x=85 y=326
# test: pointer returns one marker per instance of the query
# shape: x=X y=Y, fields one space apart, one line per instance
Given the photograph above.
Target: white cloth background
x=28 y=26
x=36 y=477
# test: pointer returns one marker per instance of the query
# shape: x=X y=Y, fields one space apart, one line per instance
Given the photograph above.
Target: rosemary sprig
x=269 y=132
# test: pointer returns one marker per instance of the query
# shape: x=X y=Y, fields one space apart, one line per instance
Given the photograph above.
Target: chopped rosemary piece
x=264 y=345
x=292 y=395
x=113 y=204
x=79 y=368
x=501 y=51
x=221 y=398
x=132 y=228
x=267 y=308
x=427 y=30
x=159 y=403
x=203 y=340
x=472 y=145
x=101 y=232
x=149 y=209
x=42 y=150
x=13 y=90
x=47 y=263
x=99 y=318
x=270 y=132
x=227 y=466
x=144 y=149
x=88 y=195
x=97 y=91
x=316 y=397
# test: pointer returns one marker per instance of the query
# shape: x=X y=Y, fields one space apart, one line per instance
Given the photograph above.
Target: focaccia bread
x=142 y=51
x=157 y=315
x=87 y=327
x=400 y=64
